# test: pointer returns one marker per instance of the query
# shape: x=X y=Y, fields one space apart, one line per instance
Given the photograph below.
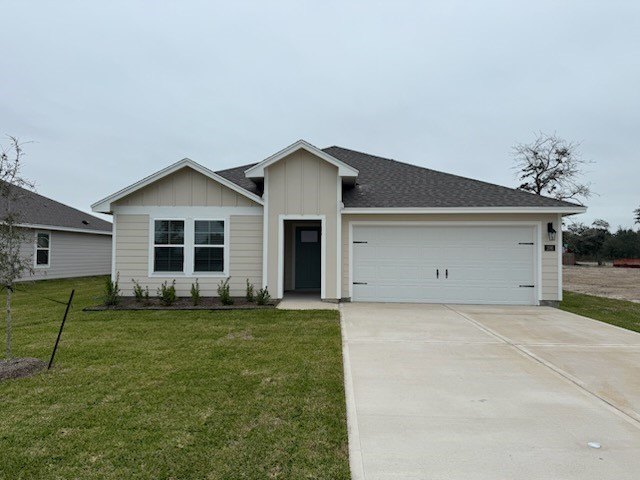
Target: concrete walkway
x=496 y=393
x=305 y=301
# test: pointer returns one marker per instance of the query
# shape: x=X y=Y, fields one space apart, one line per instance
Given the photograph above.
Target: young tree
x=636 y=214
x=13 y=262
x=551 y=166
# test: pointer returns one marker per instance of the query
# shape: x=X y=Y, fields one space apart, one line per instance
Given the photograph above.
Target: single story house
x=61 y=241
x=348 y=225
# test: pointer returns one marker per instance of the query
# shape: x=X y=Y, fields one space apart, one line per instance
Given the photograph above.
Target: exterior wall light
x=551 y=232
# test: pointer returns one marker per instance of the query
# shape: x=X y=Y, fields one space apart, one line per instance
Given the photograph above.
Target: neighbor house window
x=43 y=249
x=208 y=255
x=168 y=247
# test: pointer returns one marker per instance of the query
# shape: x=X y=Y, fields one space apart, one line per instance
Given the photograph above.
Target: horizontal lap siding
x=132 y=250
x=245 y=248
x=132 y=254
x=71 y=255
x=549 y=260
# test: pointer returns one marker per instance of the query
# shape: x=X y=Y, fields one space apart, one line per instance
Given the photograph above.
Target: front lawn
x=616 y=312
x=173 y=394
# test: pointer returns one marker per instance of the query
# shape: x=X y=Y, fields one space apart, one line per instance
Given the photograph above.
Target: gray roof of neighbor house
x=35 y=209
x=387 y=183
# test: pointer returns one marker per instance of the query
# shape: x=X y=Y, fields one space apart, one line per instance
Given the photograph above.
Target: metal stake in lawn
x=64 y=319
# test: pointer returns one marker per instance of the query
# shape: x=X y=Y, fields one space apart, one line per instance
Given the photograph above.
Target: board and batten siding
x=303 y=184
x=187 y=188
x=549 y=260
x=187 y=194
x=132 y=257
x=71 y=254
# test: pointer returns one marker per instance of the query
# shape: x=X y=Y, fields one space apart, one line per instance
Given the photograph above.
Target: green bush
x=167 y=293
x=263 y=296
x=146 y=295
x=250 y=296
x=138 y=291
x=112 y=291
x=195 y=293
x=224 y=292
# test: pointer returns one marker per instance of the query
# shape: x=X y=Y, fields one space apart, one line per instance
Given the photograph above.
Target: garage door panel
x=484 y=264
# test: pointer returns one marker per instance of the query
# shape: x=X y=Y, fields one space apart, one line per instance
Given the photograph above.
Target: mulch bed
x=182 y=303
x=20 y=367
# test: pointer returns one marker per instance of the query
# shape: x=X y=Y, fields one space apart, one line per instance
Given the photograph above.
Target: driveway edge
x=355 y=451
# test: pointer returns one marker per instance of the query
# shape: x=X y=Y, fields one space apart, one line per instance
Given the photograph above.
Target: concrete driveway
x=496 y=393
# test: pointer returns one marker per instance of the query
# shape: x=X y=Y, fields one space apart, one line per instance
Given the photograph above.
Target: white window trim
x=224 y=246
x=152 y=247
x=189 y=248
x=35 y=250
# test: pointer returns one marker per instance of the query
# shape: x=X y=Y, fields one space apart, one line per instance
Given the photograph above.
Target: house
x=61 y=241
x=345 y=224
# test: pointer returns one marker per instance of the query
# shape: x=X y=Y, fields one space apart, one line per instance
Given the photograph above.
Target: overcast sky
x=113 y=93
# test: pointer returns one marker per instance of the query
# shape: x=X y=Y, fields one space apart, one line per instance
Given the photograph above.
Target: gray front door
x=308 y=258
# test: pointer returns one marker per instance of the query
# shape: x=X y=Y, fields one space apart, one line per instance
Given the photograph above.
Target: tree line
x=596 y=242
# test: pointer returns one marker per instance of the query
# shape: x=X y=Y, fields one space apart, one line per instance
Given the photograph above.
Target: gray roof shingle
x=236 y=175
x=387 y=183
x=35 y=209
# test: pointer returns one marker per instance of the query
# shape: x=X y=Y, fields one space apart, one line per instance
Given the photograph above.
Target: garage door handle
x=360 y=283
x=437 y=273
x=446 y=273
x=527 y=286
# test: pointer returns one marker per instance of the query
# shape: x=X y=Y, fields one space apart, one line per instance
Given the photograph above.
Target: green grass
x=616 y=312
x=173 y=395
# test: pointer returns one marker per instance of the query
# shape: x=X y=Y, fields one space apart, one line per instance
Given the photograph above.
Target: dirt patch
x=182 y=303
x=606 y=281
x=20 y=367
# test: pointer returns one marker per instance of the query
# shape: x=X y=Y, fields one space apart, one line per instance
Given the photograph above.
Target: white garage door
x=444 y=264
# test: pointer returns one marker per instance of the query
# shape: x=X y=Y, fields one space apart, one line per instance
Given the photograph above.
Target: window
x=43 y=247
x=208 y=255
x=168 y=248
x=309 y=236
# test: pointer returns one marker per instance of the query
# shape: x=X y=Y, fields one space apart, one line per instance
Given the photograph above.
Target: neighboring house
x=62 y=241
x=346 y=224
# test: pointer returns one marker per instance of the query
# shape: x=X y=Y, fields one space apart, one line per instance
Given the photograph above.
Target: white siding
x=71 y=255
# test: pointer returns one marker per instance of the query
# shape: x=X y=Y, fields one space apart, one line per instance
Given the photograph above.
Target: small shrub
x=250 y=296
x=263 y=296
x=195 y=293
x=138 y=291
x=224 y=292
x=112 y=291
x=167 y=293
x=145 y=296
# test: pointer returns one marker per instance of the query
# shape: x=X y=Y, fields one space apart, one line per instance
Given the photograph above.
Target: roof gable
x=257 y=170
x=105 y=205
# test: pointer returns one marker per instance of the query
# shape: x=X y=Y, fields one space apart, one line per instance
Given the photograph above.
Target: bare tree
x=13 y=262
x=551 y=166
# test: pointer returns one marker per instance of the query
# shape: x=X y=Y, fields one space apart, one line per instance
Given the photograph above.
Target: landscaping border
x=104 y=308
